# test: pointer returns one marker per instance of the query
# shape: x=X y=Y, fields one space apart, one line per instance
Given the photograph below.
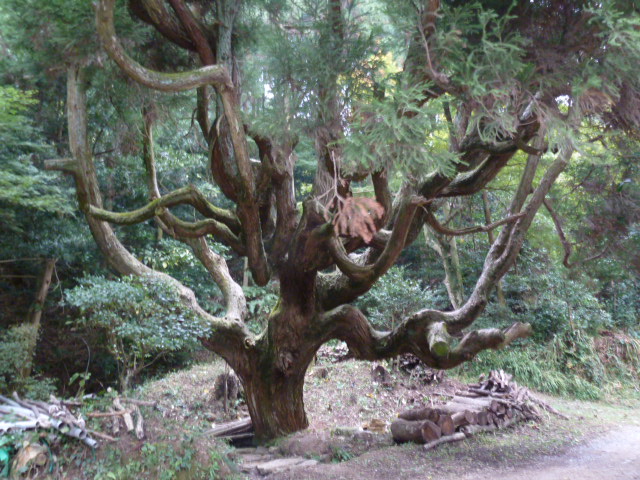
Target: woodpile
x=18 y=414
x=494 y=403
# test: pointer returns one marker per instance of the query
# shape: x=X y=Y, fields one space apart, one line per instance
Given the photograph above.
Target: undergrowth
x=572 y=364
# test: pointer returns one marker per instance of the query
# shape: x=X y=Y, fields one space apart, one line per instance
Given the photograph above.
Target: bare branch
x=66 y=165
x=217 y=266
x=566 y=245
x=433 y=223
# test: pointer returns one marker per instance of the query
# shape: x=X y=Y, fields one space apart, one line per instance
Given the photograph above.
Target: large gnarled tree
x=516 y=83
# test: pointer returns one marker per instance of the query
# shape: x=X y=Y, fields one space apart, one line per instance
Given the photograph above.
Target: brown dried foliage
x=358 y=217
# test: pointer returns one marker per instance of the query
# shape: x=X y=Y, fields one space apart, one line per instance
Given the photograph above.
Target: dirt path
x=614 y=456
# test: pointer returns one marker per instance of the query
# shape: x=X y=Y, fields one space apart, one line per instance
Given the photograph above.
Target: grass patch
x=573 y=364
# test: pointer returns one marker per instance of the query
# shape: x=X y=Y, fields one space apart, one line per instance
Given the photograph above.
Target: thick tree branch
x=424 y=335
x=188 y=195
x=195 y=32
x=155 y=13
x=229 y=335
x=216 y=75
x=380 y=182
x=65 y=165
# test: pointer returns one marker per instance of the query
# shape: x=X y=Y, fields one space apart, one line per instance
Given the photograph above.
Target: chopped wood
x=461 y=419
x=418 y=431
x=139 y=429
x=128 y=419
x=115 y=423
x=430 y=431
x=425 y=413
x=407 y=431
x=456 y=437
x=495 y=402
x=447 y=427
x=103 y=436
x=240 y=426
x=111 y=413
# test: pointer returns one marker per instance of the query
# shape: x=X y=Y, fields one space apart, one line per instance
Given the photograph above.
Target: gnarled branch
x=188 y=195
x=229 y=334
x=216 y=75
x=424 y=335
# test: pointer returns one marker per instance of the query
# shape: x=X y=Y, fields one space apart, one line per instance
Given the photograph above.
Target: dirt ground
x=601 y=440
x=614 y=456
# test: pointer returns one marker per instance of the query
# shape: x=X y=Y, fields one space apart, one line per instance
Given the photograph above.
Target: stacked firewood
x=496 y=402
x=17 y=414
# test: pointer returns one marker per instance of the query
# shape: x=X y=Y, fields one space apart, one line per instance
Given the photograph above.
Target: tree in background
x=481 y=84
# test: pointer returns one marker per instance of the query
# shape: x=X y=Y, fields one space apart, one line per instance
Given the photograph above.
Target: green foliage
x=340 y=454
x=570 y=364
x=392 y=298
x=260 y=302
x=14 y=347
x=158 y=460
x=394 y=133
x=479 y=50
x=143 y=319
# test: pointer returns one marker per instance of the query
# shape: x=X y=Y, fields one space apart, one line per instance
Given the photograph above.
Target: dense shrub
x=393 y=297
x=142 y=319
x=15 y=357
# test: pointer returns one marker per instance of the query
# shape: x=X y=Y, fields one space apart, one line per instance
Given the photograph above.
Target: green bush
x=393 y=297
x=142 y=318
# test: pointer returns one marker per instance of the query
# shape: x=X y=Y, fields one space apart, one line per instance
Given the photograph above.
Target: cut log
x=482 y=418
x=407 y=431
x=232 y=428
x=415 y=414
x=420 y=431
x=461 y=419
x=128 y=420
x=447 y=427
x=478 y=403
x=139 y=424
x=430 y=431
